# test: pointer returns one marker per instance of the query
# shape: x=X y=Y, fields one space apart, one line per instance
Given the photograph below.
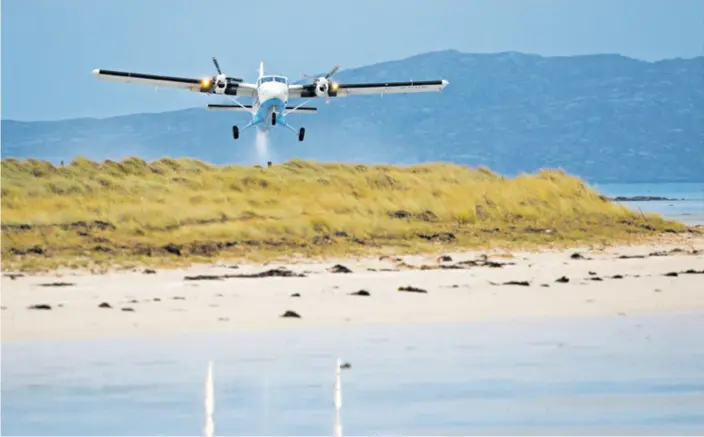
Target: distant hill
x=602 y=117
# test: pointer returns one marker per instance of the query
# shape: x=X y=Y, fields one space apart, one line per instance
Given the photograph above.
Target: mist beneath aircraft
x=262 y=145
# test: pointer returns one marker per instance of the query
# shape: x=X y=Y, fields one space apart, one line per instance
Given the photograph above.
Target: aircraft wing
x=353 y=89
x=200 y=85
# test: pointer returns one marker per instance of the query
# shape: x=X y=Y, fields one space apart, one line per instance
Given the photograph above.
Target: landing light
x=205 y=82
x=335 y=86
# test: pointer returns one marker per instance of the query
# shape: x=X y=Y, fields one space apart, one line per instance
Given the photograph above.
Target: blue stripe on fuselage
x=264 y=111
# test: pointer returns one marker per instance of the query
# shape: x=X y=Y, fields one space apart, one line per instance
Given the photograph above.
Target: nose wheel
x=235 y=132
x=301 y=134
x=273 y=118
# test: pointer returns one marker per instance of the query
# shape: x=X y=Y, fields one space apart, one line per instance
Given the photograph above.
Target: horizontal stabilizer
x=302 y=109
x=248 y=108
x=243 y=108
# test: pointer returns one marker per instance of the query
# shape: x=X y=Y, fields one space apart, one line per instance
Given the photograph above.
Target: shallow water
x=688 y=209
x=613 y=375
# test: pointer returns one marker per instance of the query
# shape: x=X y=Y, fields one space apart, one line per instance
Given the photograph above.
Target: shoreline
x=468 y=286
x=340 y=328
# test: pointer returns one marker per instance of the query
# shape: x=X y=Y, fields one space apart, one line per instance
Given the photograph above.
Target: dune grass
x=171 y=212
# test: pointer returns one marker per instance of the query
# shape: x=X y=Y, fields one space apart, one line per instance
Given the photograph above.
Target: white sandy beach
x=166 y=303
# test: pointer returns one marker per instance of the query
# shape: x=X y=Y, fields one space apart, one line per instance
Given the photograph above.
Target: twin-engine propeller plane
x=271 y=93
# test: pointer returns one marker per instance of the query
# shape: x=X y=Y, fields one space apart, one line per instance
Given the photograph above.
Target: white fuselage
x=272 y=97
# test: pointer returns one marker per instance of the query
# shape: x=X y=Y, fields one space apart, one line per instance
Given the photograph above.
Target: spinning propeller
x=322 y=84
x=219 y=83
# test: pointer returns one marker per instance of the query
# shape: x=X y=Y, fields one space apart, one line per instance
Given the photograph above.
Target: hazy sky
x=50 y=47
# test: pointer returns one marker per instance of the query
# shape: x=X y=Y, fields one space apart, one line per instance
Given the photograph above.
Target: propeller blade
x=217 y=66
x=333 y=71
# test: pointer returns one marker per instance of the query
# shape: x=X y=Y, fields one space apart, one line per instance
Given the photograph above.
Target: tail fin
x=261 y=69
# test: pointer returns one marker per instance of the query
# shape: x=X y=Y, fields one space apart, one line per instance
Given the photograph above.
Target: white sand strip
x=461 y=295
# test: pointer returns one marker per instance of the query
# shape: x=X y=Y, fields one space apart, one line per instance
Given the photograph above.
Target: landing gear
x=235 y=132
x=301 y=134
x=273 y=118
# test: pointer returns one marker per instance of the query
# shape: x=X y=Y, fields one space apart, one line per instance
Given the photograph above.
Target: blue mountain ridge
x=606 y=118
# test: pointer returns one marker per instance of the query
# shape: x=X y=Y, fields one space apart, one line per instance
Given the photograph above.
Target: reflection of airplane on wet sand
x=271 y=93
x=209 y=399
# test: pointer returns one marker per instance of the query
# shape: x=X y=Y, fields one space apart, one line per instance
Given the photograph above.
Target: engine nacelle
x=321 y=87
x=220 y=84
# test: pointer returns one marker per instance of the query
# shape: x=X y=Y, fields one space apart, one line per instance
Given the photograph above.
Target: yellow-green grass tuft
x=177 y=211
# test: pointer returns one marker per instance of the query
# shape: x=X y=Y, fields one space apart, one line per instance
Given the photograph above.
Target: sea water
x=688 y=208
x=607 y=375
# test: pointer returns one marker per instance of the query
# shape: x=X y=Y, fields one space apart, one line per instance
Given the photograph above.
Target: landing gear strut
x=273 y=118
x=301 y=134
x=235 y=132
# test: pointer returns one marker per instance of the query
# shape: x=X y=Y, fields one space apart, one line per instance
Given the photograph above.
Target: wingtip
x=444 y=83
x=96 y=71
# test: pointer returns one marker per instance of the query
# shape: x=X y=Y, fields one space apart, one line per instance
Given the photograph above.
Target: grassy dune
x=89 y=214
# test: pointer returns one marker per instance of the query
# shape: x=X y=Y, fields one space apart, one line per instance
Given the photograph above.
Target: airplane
x=270 y=93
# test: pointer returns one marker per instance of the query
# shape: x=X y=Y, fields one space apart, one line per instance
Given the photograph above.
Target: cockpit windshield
x=273 y=79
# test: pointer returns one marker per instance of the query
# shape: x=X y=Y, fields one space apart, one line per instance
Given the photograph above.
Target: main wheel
x=301 y=134
x=273 y=118
x=235 y=132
